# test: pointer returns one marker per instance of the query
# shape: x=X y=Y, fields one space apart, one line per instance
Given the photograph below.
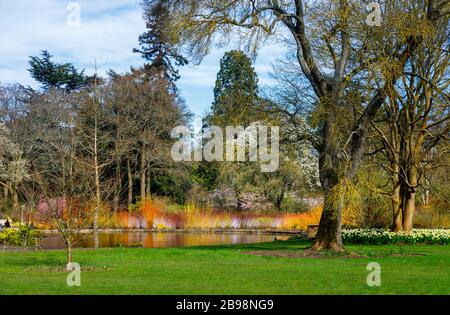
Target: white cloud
x=108 y=32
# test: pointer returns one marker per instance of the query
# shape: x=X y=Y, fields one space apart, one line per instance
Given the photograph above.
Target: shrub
x=22 y=236
x=300 y=221
x=430 y=217
x=293 y=205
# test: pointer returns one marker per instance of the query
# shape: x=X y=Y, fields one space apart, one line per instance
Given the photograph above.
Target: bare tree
x=13 y=160
x=413 y=122
x=64 y=185
x=71 y=215
x=145 y=111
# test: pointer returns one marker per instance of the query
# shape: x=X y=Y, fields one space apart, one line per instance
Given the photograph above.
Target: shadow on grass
x=297 y=248
x=276 y=245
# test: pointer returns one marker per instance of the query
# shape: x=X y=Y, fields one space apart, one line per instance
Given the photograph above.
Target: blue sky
x=108 y=32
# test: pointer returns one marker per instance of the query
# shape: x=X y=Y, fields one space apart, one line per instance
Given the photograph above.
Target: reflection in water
x=165 y=239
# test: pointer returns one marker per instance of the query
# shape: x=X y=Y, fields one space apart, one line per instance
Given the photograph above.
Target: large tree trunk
x=329 y=232
x=335 y=169
x=409 y=199
x=397 y=224
x=408 y=210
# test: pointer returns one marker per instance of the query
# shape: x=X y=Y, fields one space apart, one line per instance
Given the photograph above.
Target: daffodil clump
x=380 y=236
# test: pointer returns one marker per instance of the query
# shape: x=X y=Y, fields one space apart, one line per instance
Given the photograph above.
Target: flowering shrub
x=380 y=236
x=156 y=215
x=300 y=221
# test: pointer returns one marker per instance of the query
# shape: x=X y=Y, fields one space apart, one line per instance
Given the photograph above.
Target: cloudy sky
x=107 y=32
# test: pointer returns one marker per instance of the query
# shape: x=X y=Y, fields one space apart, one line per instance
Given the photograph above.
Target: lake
x=166 y=239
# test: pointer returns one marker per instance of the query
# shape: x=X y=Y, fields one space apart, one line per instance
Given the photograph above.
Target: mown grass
x=226 y=269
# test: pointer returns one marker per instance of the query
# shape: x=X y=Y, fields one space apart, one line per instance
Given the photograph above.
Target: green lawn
x=227 y=270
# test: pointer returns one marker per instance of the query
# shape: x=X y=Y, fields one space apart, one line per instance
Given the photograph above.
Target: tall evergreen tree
x=235 y=104
x=54 y=75
x=156 y=47
x=236 y=91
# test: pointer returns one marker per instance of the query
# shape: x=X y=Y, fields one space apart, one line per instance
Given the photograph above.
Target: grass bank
x=409 y=269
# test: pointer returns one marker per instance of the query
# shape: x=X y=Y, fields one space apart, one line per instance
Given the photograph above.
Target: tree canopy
x=236 y=91
x=156 y=46
x=337 y=51
x=56 y=75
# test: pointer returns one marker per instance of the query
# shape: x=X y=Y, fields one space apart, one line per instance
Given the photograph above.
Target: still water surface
x=165 y=239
